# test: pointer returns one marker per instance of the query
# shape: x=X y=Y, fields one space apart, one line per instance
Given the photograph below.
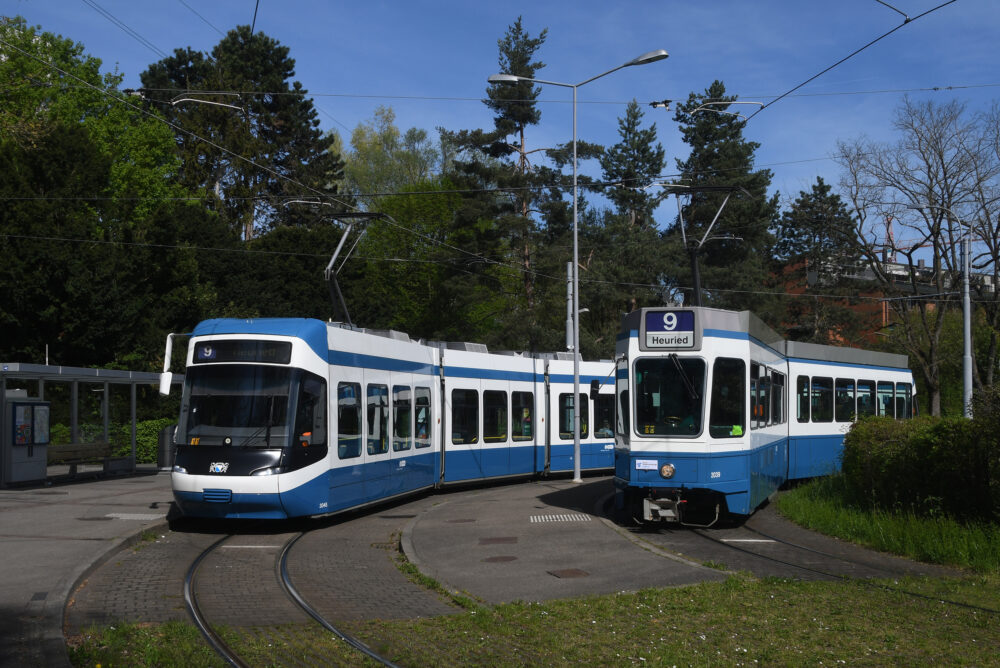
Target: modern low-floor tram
x=297 y=417
x=715 y=411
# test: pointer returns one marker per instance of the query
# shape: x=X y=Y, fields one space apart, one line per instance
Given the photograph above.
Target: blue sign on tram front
x=670 y=329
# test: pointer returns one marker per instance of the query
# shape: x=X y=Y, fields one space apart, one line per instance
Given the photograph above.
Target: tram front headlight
x=667 y=470
x=179 y=469
x=270 y=470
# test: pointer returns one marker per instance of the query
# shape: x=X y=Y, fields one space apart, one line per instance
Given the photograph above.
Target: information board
x=670 y=329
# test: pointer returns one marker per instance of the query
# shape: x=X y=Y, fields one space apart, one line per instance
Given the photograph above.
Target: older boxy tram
x=715 y=411
x=295 y=417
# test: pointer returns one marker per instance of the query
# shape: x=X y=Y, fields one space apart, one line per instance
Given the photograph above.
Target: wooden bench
x=98 y=452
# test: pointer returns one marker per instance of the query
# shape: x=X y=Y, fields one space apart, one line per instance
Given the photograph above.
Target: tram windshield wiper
x=684 y=377
x=264 y=428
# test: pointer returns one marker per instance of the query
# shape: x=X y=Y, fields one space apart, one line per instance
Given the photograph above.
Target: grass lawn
x=741 y=621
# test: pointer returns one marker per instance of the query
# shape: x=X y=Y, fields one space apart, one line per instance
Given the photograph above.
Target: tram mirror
x=166 y=378
x=595 y=388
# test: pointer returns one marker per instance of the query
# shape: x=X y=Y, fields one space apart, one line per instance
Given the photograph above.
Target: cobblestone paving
x=347 y=571
x=344 y=568
x=140 y=584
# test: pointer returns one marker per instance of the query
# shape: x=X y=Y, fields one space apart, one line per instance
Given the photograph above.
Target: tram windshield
x=669 y=396
x=238 y=405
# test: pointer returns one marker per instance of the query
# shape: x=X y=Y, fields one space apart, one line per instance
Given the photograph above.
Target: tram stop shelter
x=25 y=448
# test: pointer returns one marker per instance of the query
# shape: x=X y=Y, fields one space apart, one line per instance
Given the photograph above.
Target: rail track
x=243 y=580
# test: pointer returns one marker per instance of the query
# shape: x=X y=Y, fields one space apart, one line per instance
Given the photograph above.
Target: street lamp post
x=966 y=307
x=650 y=57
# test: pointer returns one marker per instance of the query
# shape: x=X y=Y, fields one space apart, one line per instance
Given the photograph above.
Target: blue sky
x=429 y=61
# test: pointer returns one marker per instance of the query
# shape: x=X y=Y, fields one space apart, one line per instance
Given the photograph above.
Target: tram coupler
x=663 y=509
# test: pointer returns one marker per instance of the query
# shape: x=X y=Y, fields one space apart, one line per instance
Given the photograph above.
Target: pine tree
x=733 y=261
x=247 y=136
x=816 y=257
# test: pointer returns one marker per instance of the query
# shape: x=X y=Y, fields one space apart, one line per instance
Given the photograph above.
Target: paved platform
x=75 y=556
x=51 y=535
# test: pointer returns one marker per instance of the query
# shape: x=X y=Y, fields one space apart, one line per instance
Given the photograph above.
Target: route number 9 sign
x=670 y=329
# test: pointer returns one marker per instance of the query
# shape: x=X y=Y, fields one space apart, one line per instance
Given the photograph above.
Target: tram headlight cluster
x=270 y=470
x=667 y=470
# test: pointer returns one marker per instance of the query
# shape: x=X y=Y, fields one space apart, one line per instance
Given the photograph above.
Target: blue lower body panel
x=238 y=506
x=744 y=478
x=811 y=456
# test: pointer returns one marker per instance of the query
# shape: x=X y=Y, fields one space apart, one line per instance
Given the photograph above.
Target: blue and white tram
x=297 y=417
x=716 y=411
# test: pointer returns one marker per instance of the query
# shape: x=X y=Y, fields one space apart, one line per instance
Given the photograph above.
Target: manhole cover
x=499 y=560
x=569 y=573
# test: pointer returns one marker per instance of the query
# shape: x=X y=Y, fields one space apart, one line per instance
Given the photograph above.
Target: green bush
x=928 y=466
x=147 y=439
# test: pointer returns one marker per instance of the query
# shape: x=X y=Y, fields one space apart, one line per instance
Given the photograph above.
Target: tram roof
x=748 y=323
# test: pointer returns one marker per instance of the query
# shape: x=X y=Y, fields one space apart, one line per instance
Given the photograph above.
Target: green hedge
x=930 y=466
x=147 y=439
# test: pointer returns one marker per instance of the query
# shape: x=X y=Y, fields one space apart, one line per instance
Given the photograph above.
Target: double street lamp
x=966 y=307
x=644 y=59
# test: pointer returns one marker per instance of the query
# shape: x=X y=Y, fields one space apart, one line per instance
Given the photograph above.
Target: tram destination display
x=670 y=330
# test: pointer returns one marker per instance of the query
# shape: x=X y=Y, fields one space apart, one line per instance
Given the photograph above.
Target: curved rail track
x=828 y=571
x=240 y=584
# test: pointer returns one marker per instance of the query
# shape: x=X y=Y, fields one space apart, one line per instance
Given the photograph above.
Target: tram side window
x=494 y=416
x=866 y=398
x=378 y=419
x=566 y=415
x=604 y=415
x=622 y=424
x=763 y=397
x=777 y=398
x=754 y=405
x=464 y=416
x=348 y=420
x=422 y=397
x=844 y=400
x=904 y=401
x=885 y=399
x=522 y=415
x=822 y=399
x=310 y=414
x=802 y=394
x=726 y=419
x=402 y=418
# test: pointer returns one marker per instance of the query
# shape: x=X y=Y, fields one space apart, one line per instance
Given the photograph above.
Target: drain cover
x=499 y=560
x=499 y=540
x=569 y=573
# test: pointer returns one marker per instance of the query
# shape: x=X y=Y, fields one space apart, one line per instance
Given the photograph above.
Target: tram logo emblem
x=218 y=467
